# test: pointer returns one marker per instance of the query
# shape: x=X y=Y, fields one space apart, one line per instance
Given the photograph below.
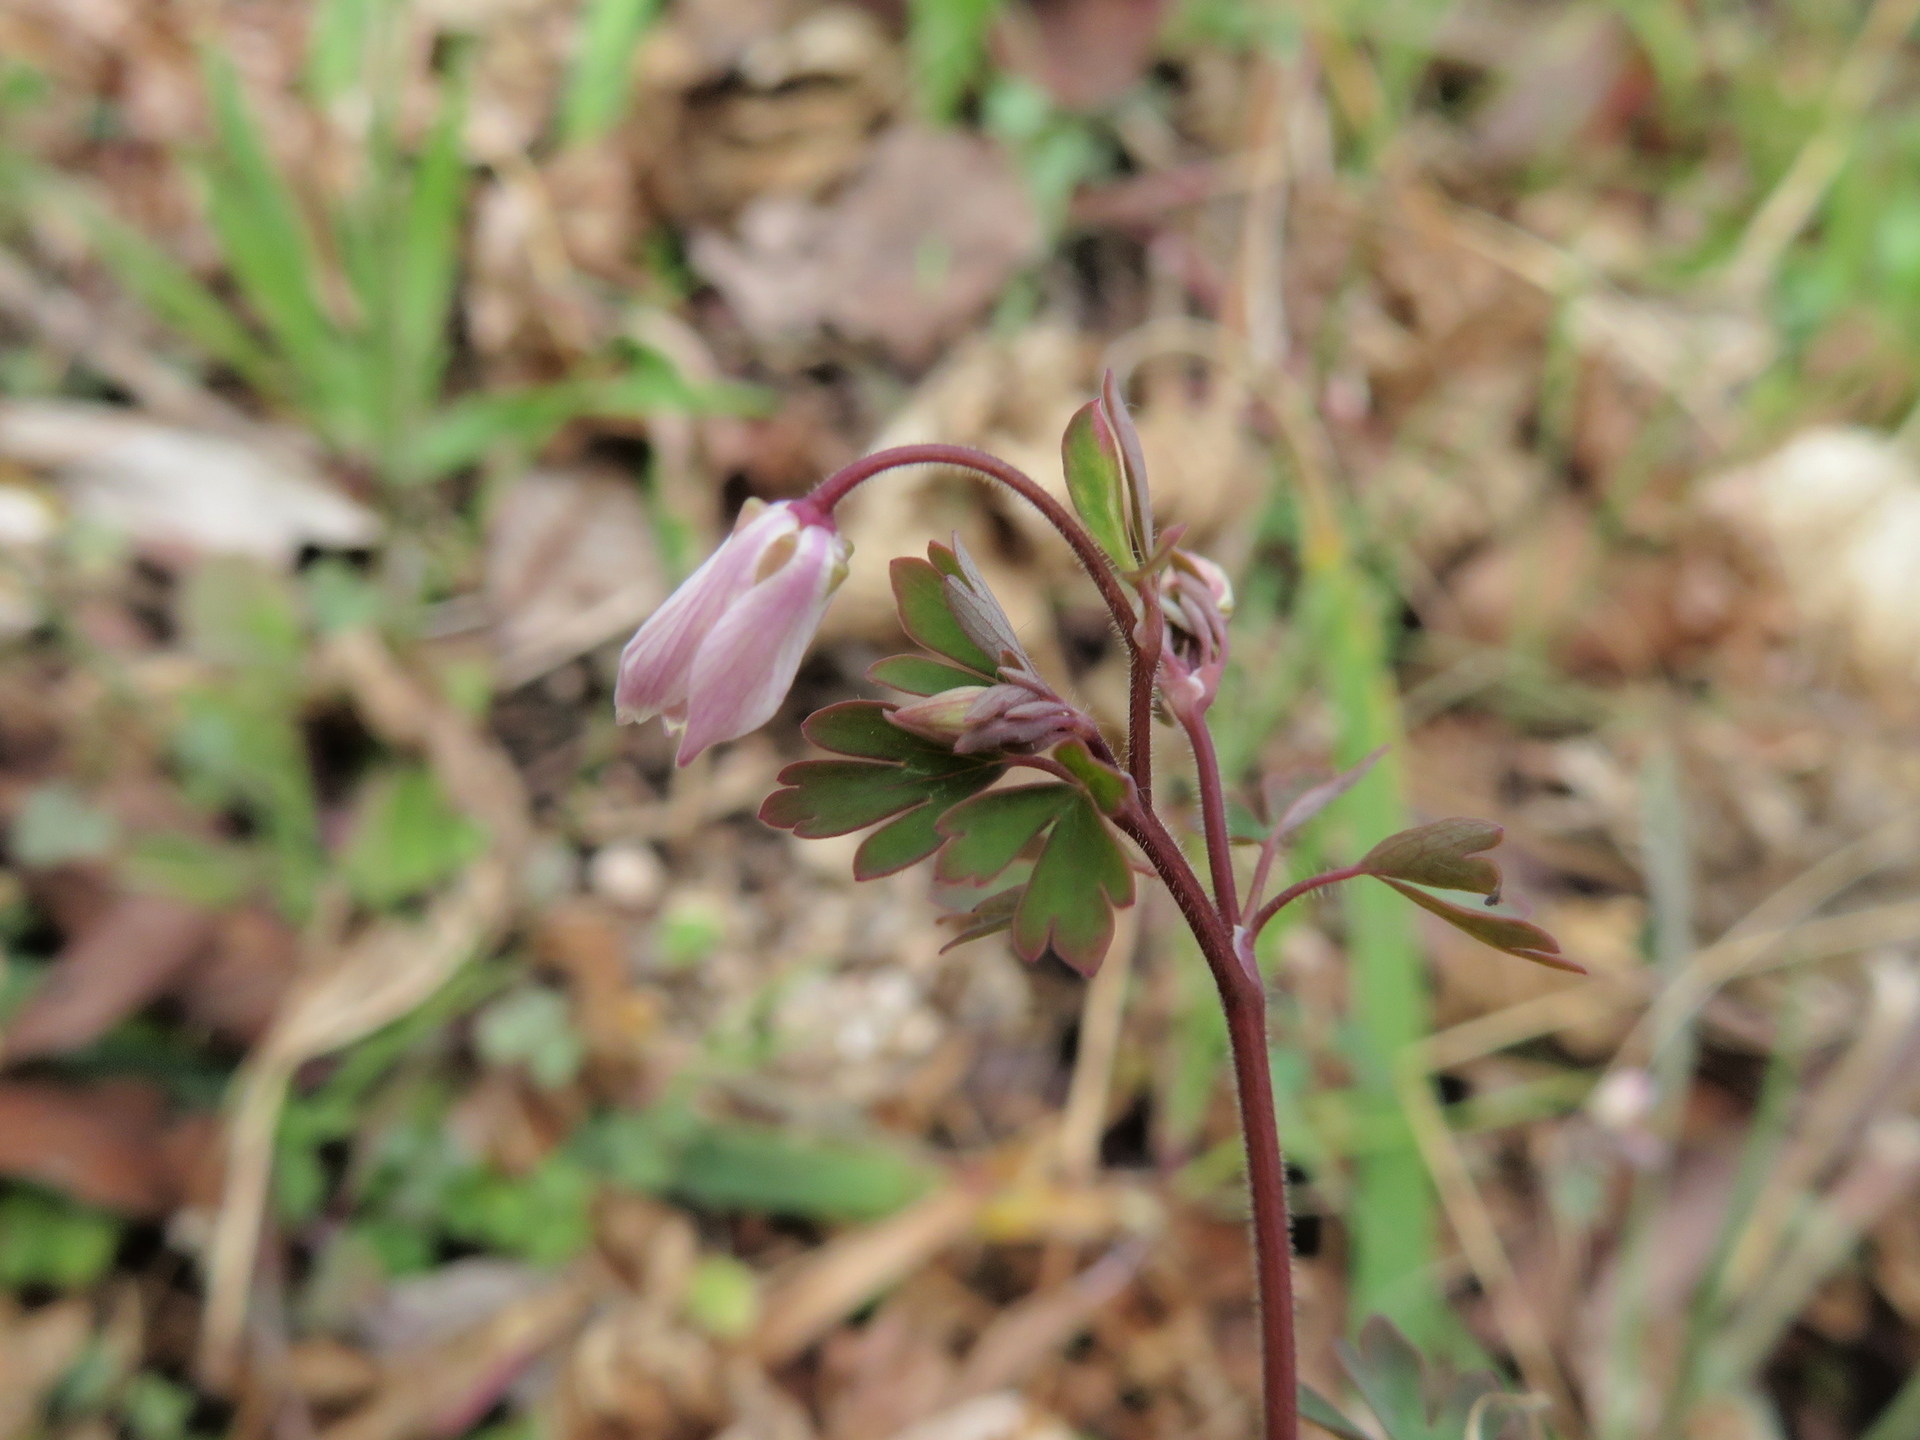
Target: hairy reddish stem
x=1293 y=892
x=1213 y=816
x=1244 y=1000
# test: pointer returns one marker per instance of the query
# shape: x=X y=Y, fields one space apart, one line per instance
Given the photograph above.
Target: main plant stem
x=1243 y=999
x=1213 y=920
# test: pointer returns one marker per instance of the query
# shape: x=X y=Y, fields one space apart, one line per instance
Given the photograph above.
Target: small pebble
x=628 y=875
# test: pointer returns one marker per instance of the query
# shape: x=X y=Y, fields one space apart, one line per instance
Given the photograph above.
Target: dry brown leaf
x=101 y=1144
x=178 y=490
x=909 y=254
x=1024 y=1336
x=744 y=98
x=1837 y=511
x=1084 y=52
x=1000 y=1416
x=1576 y=71
x=1458 y=474
x=329 y=1372
x=445 y=1389
x=130 y=956
x=236 y=986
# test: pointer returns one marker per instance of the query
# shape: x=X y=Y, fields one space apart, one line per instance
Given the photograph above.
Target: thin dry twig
x=382 y=975
x=1103 y=1010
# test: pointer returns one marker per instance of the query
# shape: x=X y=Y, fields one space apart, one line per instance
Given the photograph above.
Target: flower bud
x=715 y=661
x=941 y=718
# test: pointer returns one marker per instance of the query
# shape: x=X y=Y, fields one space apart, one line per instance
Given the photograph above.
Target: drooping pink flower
x=715 y=661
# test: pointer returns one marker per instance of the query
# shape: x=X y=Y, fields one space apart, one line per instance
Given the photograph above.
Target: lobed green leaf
x=1517 y=937
x=861 y=728
x=918 y=833
x=837 y=797
x=1108 y=787
x=1321 y=1411
x=1079 y=878
x=988 y=832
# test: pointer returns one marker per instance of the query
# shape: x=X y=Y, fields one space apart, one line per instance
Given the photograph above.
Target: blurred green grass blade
x=429 y=255
x=602 y=70
x=407 y=838
x=727 y=1165
x=1766 y=1137
x=948 y=40
x=180 y=301
x=47 y=1239
x=339 y=39
x=1665 y=32
x=464 y=432
x=1392 y=1209
x=271 y=252
x=752 y=1167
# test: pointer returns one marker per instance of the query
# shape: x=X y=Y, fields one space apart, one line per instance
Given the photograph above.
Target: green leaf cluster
x=407 y=838
x=893 y=776
x=1080 y=875
x=1064 y=902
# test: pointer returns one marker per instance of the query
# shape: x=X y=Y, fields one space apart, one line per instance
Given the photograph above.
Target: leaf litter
x=351 y=954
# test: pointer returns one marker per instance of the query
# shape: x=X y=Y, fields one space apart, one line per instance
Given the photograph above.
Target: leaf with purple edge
x=1443 y=855
x=945 y=559
x=1068 y=905
x=987 y=833
x=893 y=772
x=1097 y=480
x=1107 y=786
x=919 y=593
x=918 y=675
x=1521 y=938
x=823 y=798
x=1139 y=503
x=914 y=836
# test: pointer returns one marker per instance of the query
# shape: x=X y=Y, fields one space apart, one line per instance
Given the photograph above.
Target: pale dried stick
x=837 y=1279
x=380 y=976
x=1102 y=1011
x=1844 y=1101
x=1886 y=1171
